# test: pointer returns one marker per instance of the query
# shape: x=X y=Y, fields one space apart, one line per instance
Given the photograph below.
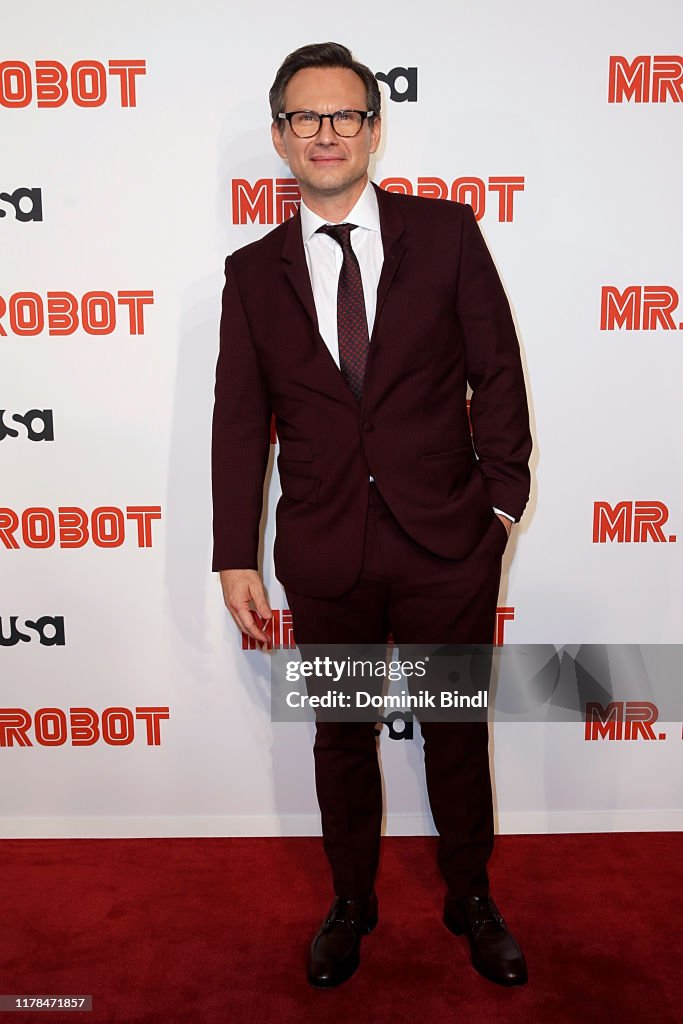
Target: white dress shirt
x=324 y=258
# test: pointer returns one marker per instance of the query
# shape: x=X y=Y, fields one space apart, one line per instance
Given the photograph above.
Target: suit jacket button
x=367 y=426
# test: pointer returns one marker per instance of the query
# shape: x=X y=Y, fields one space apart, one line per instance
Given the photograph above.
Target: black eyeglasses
x=306 y=123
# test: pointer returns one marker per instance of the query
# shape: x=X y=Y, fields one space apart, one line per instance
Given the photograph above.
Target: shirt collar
x=365 y=214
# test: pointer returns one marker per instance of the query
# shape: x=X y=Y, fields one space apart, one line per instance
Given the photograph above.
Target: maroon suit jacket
x=442 y=320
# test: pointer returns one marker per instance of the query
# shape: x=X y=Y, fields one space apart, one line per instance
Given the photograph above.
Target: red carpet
x=214 y=931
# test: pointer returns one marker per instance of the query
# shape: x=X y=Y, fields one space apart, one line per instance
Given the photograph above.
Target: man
x=359 y=323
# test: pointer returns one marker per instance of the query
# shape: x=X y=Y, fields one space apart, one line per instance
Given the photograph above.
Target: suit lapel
x=296 y=268
x=392 y=228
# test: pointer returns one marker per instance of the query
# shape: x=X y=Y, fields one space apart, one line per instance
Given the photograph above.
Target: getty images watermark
x=330 y=680
x=466 y=682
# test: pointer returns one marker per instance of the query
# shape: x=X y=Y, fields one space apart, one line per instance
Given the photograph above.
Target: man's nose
x=327 y=134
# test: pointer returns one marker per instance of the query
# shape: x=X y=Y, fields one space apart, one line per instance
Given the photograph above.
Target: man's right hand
x=240 y=587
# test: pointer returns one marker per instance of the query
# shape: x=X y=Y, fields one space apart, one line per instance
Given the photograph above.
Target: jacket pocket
x=450 y=453
x=299 y=488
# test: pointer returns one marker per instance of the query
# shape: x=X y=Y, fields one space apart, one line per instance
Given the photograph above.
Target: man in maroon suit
x=359 y=323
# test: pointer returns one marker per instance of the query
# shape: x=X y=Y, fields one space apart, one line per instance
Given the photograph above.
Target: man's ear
x=276 y=136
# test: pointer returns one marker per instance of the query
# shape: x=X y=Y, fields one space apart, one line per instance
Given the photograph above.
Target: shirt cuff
x=501 y=513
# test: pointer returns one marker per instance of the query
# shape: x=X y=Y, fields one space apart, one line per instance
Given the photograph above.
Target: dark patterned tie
x=352 y=322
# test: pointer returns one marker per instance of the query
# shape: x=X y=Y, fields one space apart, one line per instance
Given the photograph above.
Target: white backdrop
x=139 y=198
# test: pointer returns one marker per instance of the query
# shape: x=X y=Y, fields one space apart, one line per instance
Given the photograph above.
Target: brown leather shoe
x=335 y=951
x=496 y=954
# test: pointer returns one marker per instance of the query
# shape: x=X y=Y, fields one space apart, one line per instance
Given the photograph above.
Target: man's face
x=327 y=165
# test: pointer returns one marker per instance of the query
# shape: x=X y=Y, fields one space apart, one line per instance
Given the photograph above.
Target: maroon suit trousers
x=421 y=598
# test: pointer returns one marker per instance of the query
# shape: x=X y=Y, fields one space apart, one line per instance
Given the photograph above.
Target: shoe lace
x=484 y=912
x=342 y=912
